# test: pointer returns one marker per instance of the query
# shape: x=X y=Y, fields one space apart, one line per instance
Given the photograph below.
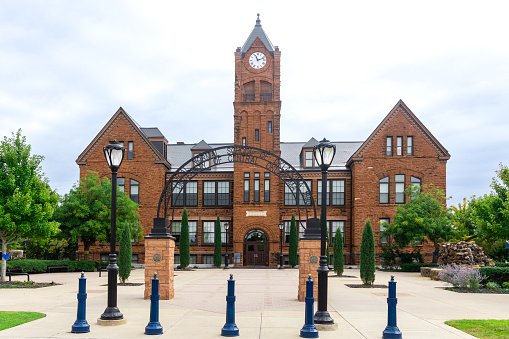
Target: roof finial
x=258 y=19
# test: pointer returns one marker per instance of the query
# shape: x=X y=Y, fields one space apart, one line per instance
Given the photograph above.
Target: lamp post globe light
x=281 y=227
x=114 y=154
x=324 y=153
x=226 y=227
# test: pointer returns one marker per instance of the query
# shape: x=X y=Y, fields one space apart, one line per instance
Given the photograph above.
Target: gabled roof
x=311 y=143
x=403 y=109
x=257 y=33
x=152 y=132
x=118 y=116
x=201 y=146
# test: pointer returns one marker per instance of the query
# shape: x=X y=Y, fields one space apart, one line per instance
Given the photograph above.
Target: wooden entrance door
x=256 y=249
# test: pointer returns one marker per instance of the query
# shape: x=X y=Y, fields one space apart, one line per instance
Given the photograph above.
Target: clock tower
x=257 y=103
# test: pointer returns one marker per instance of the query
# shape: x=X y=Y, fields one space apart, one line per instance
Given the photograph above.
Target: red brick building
x=366 y=179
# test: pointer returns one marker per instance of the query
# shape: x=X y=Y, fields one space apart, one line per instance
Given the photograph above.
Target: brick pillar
x=309 y=257
x=159 y=257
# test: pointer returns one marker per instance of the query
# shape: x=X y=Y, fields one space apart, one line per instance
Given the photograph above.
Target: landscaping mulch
x=365 y=286
x=342 y=276
x=127 y=284
x=25 y=284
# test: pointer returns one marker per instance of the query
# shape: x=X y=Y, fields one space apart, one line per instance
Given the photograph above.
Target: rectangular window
x=399 y=188
x=176 y=228
x=257 y=174
x=384 y=190
x=266 y=190
x=382 y=226
x=266 y=174
x=246 y=174
x=399 y=145
x=185 y=194
x=246 y=190
x=389 y=146
x=135 y=190
x=216 y=193
x=409 y=145
x=244 y=141
x=130 y=150
x=414 y=182
x=257 y=135
x=309 y=159
x=256 y=197
x=335 y=192
x=292 y=193
x=269 y=127
x=208 y=232
x=121 y=184
x=334 y=226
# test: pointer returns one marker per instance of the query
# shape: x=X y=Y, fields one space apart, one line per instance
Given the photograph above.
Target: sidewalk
x=266 y=306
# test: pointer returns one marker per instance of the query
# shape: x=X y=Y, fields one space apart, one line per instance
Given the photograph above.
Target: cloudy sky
x=67 y=66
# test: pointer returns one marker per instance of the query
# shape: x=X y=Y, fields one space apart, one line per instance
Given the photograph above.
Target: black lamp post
x=281 y=227
x=114 y=154
x=226 y=227
x=324 y=153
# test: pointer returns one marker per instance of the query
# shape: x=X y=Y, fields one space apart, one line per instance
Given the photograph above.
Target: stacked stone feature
x=464 y=253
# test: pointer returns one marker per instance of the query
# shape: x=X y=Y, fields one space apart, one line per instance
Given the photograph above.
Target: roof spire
x=258 y=20
x=257 y=33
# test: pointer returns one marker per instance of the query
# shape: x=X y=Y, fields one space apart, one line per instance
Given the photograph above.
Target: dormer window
x=308 y=159
x=203 y=161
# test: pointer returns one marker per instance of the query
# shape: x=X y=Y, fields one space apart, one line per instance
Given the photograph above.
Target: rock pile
x=464 y=253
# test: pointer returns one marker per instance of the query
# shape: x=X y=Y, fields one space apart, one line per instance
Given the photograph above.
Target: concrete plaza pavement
x=266 y=306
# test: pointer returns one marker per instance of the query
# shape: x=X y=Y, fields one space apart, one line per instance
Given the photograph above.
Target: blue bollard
x=81 y=325
x=154 y=326
x=392 y=331
x=309 y=329
x=230 y=329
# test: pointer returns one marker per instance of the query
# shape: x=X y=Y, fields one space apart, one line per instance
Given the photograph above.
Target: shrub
x=463 y=277
x=217 y=243
x=125 y=253
x=338 y=253
x=368 y=260
x=493 y=286
x=294 y=243
x=415 y=267
x=41 y=266
x=185 y=254
x=502 y=264
x=505 y=284
x=495 y=274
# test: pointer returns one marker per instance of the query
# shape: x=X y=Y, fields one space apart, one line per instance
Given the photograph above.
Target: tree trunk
x=86 y=251
x=435 y=253
x=4 y=262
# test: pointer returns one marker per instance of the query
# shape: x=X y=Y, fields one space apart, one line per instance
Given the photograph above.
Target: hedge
x=415 y=267
x=495 y=274
x=502 y=264
x=41 y=266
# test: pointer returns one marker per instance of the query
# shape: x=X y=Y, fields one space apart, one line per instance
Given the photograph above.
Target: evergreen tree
x=125 y=254
x=185 y=255
x=338 y=253
x=294 y=243
x=217 y=243
x=368 y=261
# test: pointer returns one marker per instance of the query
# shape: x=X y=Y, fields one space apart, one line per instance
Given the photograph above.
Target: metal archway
x=231 y=154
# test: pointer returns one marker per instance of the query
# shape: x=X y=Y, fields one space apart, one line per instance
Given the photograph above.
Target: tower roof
x=258 y=32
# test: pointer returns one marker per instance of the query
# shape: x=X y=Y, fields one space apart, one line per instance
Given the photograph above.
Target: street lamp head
x=281 y=226
x=114 y=154
x=324 y=153
x=226 y=226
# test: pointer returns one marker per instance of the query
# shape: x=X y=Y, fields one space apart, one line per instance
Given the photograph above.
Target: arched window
x=249 y=91
x=265 y=91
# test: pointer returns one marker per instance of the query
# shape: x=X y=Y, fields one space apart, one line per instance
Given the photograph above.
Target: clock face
x=257 y=60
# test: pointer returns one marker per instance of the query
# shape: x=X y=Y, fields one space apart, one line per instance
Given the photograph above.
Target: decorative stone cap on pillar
x=313 y=231
x=160 y=229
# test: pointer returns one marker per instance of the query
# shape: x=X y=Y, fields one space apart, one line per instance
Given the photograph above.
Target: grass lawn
x=11 y=319
x=484 y=329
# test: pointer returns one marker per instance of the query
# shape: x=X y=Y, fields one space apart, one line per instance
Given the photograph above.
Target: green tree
x=85 y=212
x=217 y=243
x=423 y=218
x=185 y=254
x=27 y=202
x=338 y=253
x=125 y=254
x=294 y=243
x=368 y=260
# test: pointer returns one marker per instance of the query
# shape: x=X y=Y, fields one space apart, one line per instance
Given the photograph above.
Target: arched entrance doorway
x=256 y=248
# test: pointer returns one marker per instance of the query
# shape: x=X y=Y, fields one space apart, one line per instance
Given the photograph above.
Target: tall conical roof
x=258 y=33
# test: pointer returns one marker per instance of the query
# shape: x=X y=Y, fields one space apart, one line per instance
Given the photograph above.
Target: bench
x=57 y=268
x=102 y=267
x=16 y=271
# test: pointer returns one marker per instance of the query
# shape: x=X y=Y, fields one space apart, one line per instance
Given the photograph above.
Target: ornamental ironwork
x=202 y=162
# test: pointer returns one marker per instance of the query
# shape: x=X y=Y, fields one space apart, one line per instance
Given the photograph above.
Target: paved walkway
x=266 y=306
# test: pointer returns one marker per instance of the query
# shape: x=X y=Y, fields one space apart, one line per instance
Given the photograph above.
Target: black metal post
x=322 y=316
x=281 y=249
x=112 y=312
x=226 y=254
